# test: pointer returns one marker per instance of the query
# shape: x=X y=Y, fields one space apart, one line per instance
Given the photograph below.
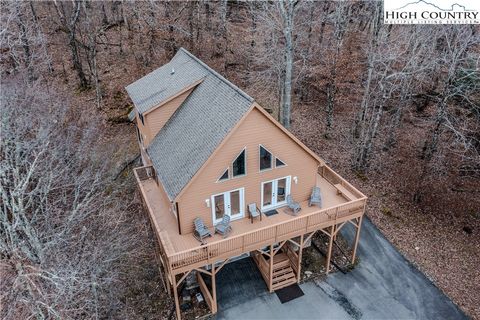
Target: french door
x=230 y=203
x=275 y=192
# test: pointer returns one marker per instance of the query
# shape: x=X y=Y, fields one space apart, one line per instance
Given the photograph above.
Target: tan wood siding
x=144 y=130
x=156 y=119
x=254 y=130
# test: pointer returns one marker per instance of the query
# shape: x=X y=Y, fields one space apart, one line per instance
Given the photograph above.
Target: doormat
x=270 y=212
x=289 y=293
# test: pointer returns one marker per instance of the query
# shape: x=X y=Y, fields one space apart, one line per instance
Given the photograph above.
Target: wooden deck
x=184 y=252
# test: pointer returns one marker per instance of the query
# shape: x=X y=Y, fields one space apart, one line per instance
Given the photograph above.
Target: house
x=209 y=150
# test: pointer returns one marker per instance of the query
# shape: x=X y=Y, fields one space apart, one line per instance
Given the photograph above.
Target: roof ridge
x=219 y=76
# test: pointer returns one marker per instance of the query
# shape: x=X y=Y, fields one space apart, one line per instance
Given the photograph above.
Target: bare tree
x=456 y=100
x=64 y=233
x=339 y=19
x=23 y=41
x=368 y=117
x=287 y=13
x=68 y=20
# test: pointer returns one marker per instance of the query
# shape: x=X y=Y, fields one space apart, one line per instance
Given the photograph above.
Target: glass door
x=274 y=193
x=235 y=204
x=267 y=194
x=229 y=203
x=281 y=187
x=219 y=207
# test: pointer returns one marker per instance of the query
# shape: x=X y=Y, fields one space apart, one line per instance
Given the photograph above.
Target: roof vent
x=173 y=71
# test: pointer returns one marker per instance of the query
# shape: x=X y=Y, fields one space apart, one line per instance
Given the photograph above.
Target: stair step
x=280 y=257
x=283 y=284
x=282 y=278
x=281 y=265
x=282 y=271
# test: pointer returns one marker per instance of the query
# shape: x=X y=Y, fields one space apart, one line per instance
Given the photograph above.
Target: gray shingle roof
x=160 y=84
x=198 y=126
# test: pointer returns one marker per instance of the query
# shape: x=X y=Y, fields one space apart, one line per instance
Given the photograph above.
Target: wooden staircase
x=283 y=274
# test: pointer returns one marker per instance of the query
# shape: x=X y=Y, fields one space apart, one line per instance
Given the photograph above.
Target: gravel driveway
x=383 y=286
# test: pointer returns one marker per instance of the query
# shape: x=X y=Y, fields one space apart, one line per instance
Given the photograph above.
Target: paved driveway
x=383 y=286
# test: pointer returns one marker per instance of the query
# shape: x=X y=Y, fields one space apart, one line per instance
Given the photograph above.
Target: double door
x=275 y=192
x=228 y=203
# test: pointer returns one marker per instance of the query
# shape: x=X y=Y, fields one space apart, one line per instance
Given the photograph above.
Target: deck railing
x=259 y=238
x=144 y=173
x=334 y=178
x=256 y=239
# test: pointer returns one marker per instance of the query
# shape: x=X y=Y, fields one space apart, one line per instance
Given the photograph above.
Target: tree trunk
x=330 y=105
x=25 y=43
x=287 y=8
x=70 y=25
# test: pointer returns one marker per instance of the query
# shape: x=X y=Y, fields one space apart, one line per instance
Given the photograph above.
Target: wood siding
x=156 y=119
x=255 y=129
x=143 y=129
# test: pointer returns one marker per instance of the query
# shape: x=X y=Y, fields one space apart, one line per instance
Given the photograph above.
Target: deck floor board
x=166 y=220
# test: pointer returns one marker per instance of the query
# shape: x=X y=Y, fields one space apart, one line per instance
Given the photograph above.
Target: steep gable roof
x=159 y=85
x=198 y=126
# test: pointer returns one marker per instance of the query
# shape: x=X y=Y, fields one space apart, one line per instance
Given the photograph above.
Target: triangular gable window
x=238 y=166
x=265 y=159
x=224 y=176
x=279 y=163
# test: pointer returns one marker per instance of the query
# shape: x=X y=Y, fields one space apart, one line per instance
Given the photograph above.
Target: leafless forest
x=396 y=109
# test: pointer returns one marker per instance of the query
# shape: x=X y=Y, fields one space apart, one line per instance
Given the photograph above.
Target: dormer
x=150 y=122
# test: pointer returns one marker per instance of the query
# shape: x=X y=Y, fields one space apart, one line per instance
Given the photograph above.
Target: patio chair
x=224 y=227
x=294 y=206
x=315 y=197
x=254 y=212
x=201 y=231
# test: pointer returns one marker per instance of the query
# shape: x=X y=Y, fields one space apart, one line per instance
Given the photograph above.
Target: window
x=279 y=163
x=265 y=159
x=238 y=166
x=224 y=176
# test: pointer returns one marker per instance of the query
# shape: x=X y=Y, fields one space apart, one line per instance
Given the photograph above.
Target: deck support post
x=175 y=294
x=214 y=289
x=357 y=237
x=167 y=284
x=166 y=272
x=271 y=269
x=329 y=253
x=300 y=250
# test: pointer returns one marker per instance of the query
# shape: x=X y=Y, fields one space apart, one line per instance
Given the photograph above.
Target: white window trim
x=287 y=192
x=245 y=163
x=242 y=205
x=228 y=178
x=272 y=157
x=284 y=164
